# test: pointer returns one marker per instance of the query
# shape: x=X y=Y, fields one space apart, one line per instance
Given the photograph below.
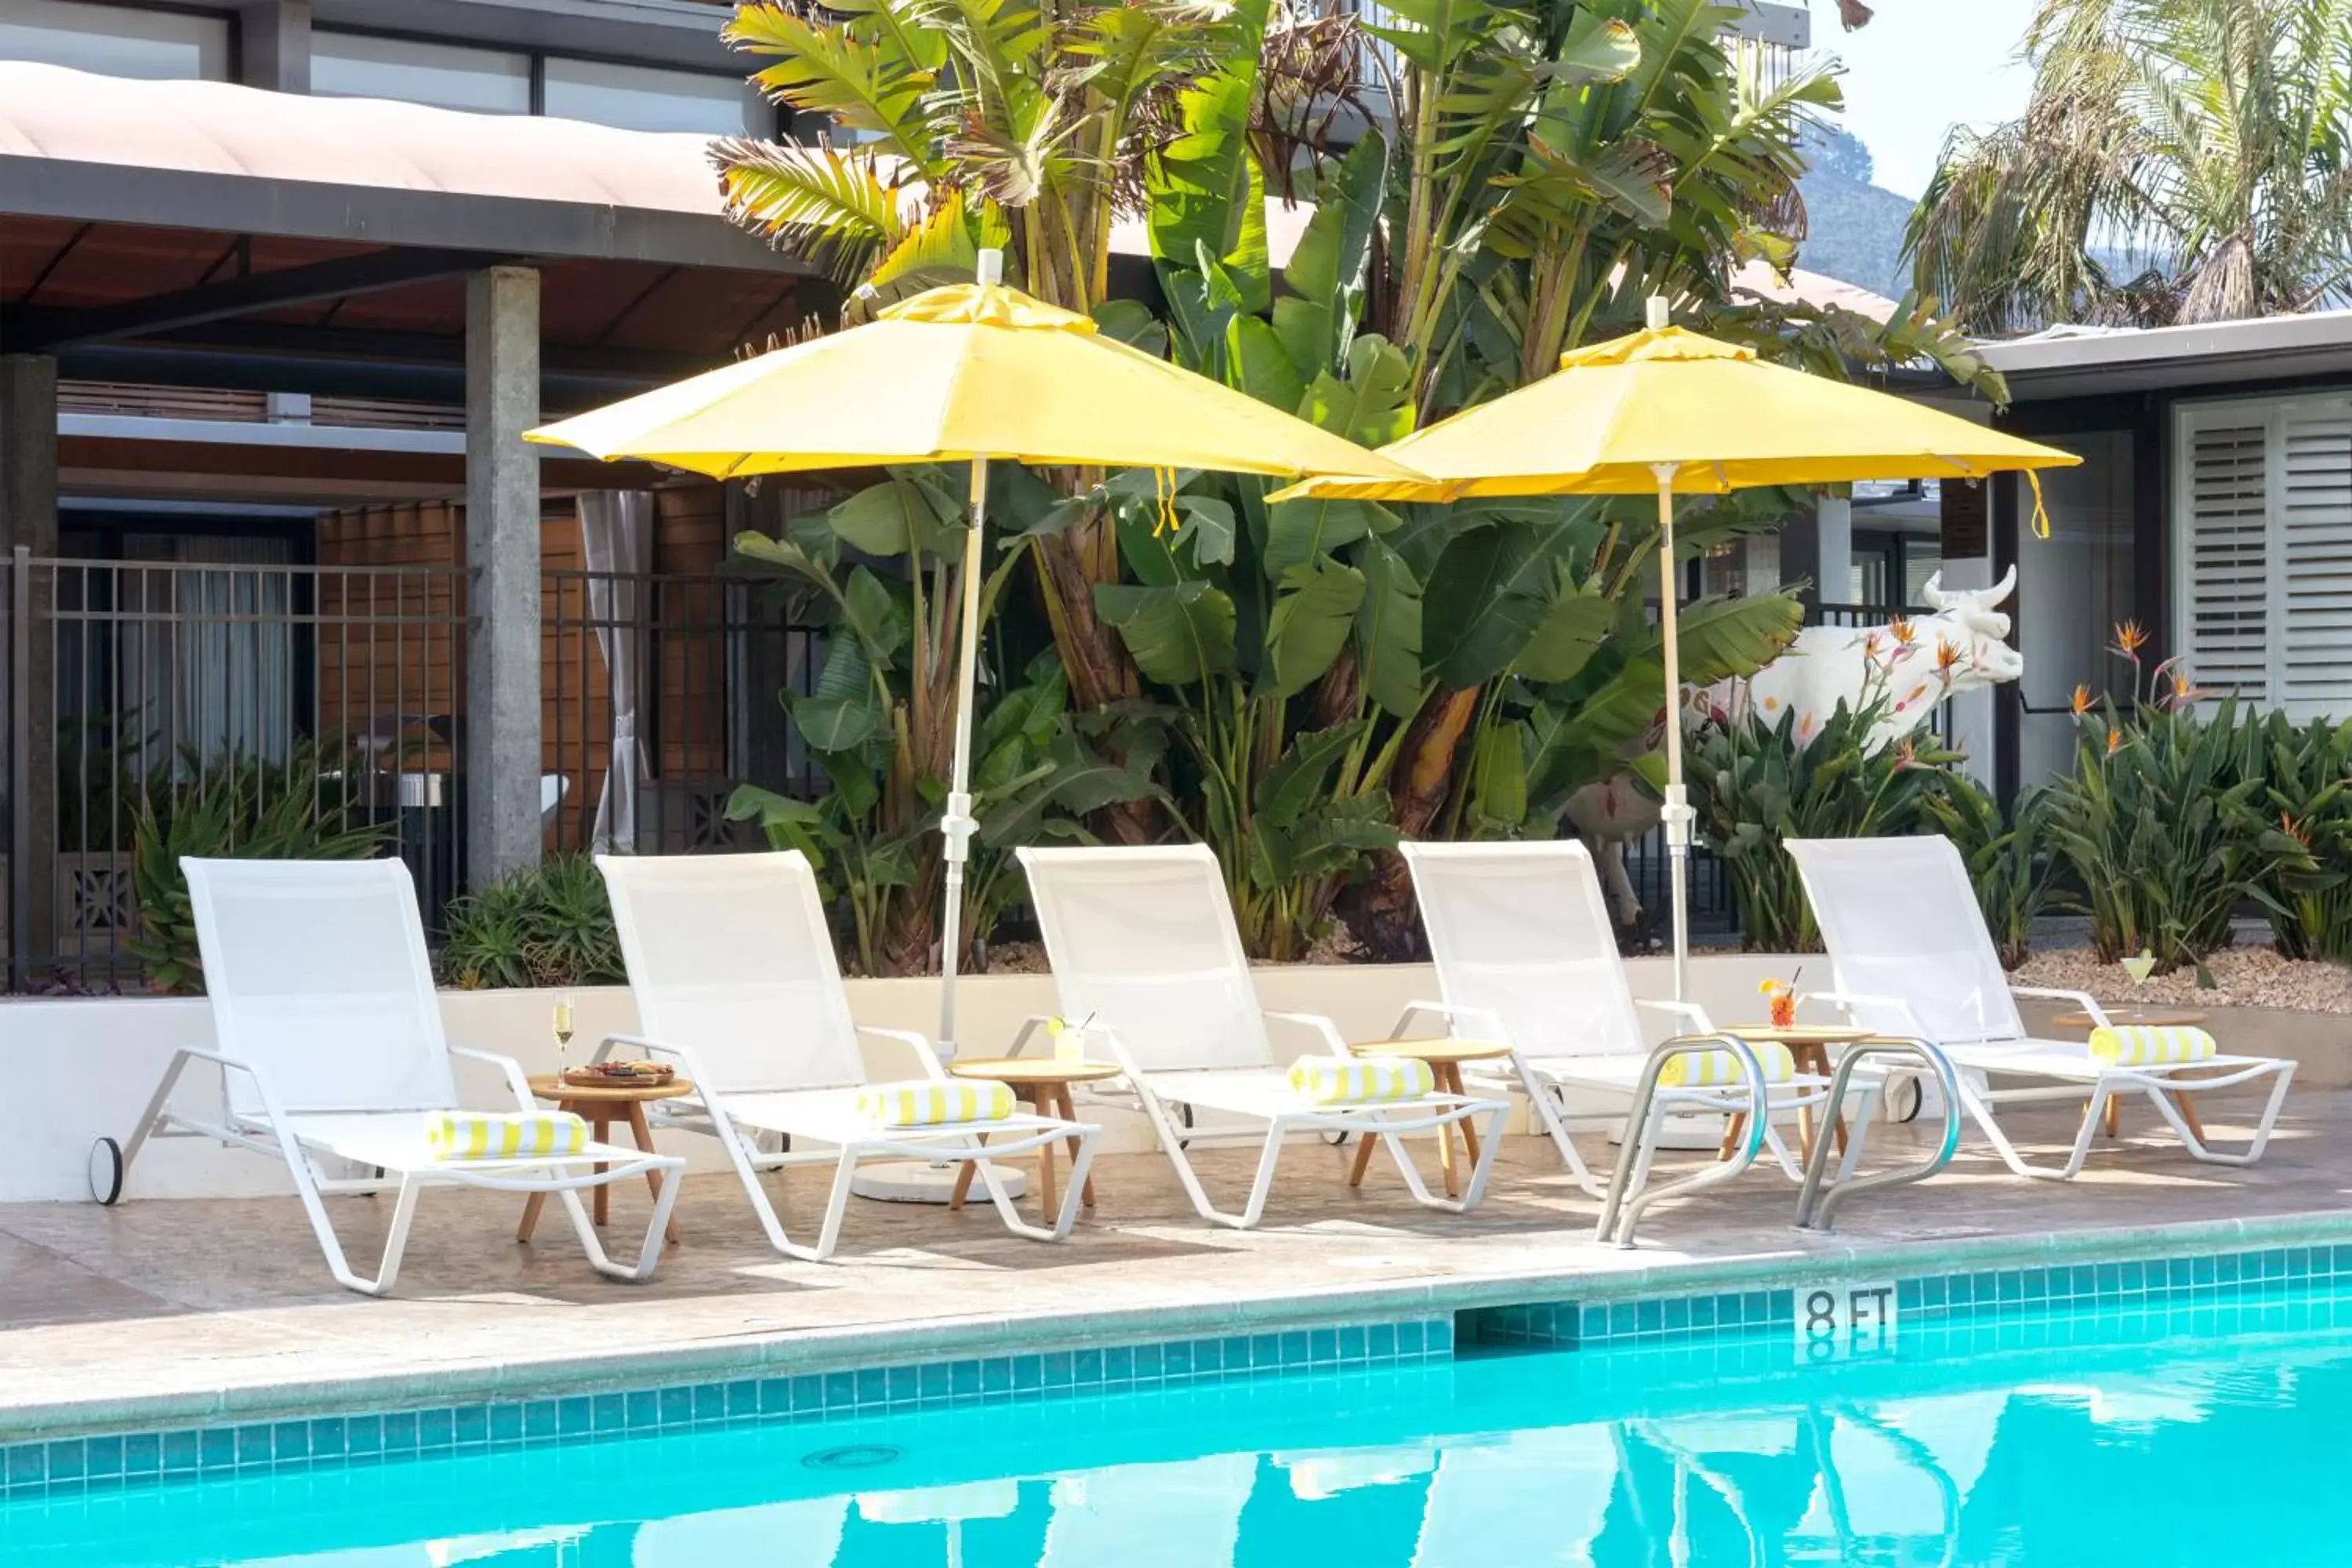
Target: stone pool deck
x=162 y=1312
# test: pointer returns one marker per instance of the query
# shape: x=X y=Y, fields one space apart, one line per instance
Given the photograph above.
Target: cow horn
x=2003 y=589
x=1932 y=594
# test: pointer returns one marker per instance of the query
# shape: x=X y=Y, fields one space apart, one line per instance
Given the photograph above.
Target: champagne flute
x=563 y=1035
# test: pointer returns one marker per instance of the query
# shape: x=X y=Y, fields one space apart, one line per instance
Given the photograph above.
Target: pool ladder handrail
x=1815 y=1202
x=1617 y=1230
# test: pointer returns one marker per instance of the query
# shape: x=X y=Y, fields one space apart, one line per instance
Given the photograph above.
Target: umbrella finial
x=990 y=268
x=1657 y=312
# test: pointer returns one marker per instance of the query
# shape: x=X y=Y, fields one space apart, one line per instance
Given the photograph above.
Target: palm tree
x=2178 y=161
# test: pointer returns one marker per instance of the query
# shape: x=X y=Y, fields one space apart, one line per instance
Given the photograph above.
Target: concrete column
x=1833 y=548
x=273 y=44
x=28 y=517
x=502 y=678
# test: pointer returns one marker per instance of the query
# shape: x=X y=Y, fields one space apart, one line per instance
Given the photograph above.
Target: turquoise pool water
x=2206 y=1435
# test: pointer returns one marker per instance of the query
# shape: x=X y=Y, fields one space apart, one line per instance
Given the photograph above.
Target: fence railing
x=206 y=694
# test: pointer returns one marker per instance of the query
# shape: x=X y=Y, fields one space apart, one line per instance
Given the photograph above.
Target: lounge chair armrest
x=1689 y=1011
x=1319 y=1024
x=1029 y=1025
x=1851 y=999
x=1451 y=1012
x=919 y=1045
x=639 y=1042
x=508 y=1069
x=2082 y=999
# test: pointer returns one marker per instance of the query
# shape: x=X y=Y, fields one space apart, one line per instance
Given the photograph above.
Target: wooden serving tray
x=623 y=1075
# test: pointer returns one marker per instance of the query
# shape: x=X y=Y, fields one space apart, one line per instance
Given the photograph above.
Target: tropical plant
x=1034 y=778
x=551 y=925
x=881 y=572
x=2306 y=773
x=238 y=808
x=1555 y=162
x=2013 y=878
x=2164 y=832
x=1755 y=784
x=2177 y=161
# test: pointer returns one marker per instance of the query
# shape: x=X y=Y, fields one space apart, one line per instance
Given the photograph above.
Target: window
x=114 y=40
x=639 y=98
x=353 y=65
x=2262 y=552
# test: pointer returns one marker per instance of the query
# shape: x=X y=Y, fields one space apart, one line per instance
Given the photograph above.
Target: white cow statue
x=1914 y=665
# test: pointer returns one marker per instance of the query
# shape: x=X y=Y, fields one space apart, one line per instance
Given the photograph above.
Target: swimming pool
x=2195 y=1418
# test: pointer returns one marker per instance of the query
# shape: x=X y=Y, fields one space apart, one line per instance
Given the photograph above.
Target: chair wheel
x=1918 y=1100
x=1184 y=1114
x=106 y=1171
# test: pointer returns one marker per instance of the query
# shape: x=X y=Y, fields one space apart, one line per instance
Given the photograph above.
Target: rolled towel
x=1365 y=1081
x=1718 y=1069
x=504 y=1135
x=923 y=1103
x=2151 y=1045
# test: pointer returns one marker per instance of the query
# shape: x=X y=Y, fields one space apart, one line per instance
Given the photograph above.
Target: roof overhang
x=213 y=155
x=2067 y=363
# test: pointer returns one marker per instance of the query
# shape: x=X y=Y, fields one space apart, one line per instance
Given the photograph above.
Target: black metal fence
x=197 y=698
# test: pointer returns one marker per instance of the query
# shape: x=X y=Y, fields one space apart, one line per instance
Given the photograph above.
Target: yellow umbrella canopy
x=1678 y=411
x=1722 y=418
x=972 y=370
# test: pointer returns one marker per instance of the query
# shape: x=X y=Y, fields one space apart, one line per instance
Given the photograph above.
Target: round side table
x=1045 y=1082
x=1444 y=1057
x=600 y=1105
x=1808 y=1047
x=2141 y=1018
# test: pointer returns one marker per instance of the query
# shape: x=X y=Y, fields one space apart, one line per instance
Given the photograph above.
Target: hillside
x=1855 y=229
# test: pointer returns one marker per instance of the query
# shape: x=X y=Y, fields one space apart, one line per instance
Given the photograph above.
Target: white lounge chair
x=733 y=967
x=1527 y=956
x=329 y=1046
x=1909 y=954
x=1146 y=955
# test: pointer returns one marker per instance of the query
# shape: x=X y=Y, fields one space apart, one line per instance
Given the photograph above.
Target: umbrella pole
x=1676 y=812
x=913 y=1180
x=957 y=823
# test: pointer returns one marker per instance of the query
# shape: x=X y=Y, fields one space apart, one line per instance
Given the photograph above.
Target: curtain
x=215 y=679
x=616 y=532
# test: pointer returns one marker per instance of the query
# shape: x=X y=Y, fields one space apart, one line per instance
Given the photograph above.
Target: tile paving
x=158 y=1311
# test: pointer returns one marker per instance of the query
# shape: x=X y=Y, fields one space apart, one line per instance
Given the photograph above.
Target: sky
x=1919 y=67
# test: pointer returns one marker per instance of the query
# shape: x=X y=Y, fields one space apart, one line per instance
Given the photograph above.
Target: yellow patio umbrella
x=1678 y=411
x=967 y=373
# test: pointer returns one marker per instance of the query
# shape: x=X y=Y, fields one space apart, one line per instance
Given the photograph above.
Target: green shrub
x=240 y=808
x=1755 y=784
x=551 y=925
x=2006 y=864
x=2306 y=774
x=2164 y=831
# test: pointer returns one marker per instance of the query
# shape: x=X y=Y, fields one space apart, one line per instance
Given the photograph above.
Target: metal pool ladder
x=1815 y=1202
x=1622 y=1209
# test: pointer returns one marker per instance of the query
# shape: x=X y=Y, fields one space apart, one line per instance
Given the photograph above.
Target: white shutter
x=2312 y=540
x=2221 y=558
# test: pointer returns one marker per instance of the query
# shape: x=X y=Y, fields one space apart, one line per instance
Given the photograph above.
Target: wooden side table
x=1045 y=1082
x=1444 y=1057
x=599 y=1105
x=1808 y=1047
x=2146 y=1018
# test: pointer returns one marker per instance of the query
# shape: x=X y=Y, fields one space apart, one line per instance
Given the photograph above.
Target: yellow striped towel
x=504 y=1135
x=1370 y=1080
x=1719 y=1069
x=2151 y=1045
x=922 y=1102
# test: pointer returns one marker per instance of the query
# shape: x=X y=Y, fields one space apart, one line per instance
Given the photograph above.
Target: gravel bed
x=2243 y=977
